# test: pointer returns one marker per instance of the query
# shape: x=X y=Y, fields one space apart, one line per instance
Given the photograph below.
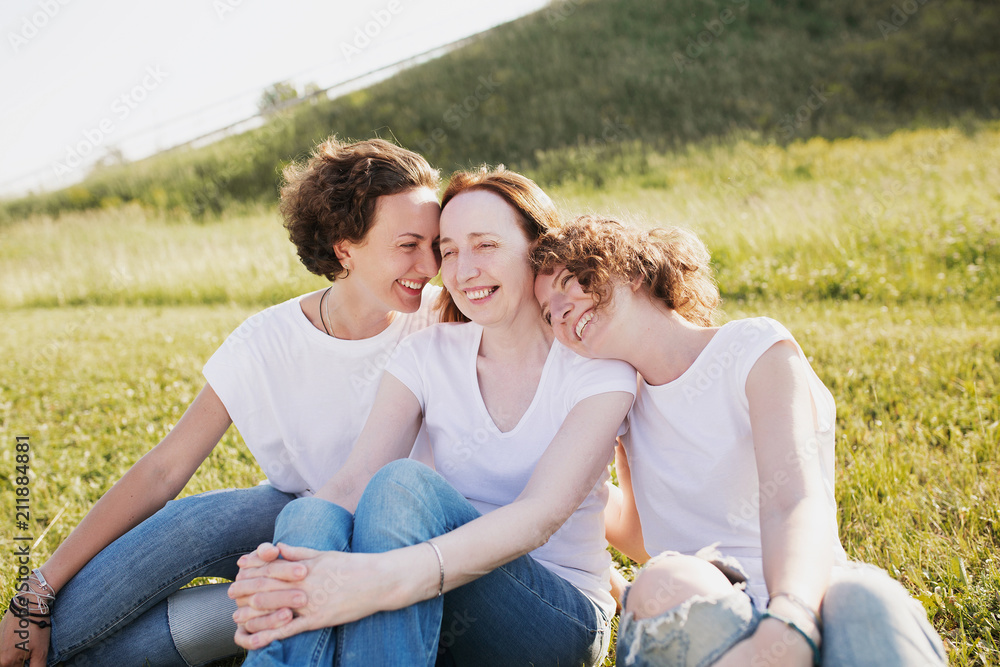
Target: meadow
x=882 y=256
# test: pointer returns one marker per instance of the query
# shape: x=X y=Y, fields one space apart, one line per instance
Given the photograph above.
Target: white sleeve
x=600 y=376
x=234 y=375
x=407 y=366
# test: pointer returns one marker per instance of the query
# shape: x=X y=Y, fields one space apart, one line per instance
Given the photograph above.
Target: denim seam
x=563 y=612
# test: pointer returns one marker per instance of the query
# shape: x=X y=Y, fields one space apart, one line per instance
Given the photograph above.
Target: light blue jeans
x=115 y=610
x=868 y=619
x=519 y=614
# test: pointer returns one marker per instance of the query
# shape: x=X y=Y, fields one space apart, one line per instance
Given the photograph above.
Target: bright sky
x=79 y=77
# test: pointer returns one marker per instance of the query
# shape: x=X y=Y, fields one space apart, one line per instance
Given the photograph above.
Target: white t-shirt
x=300 y=397
x=491 y=468
x=691 y=453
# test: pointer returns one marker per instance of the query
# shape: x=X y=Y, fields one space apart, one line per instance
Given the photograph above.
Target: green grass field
x=881 y=256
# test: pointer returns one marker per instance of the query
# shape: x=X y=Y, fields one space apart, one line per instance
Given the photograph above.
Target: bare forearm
x=797 y=550
x=136 y=496
x=468 y=552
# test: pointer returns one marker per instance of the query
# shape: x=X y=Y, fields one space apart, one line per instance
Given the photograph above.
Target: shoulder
x=611 y=374
x=756 y=328
x=750 y=338
x=440 y=335
x=276 y=319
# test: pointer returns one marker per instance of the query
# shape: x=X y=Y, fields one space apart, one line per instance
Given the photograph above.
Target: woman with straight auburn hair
x=496 y=558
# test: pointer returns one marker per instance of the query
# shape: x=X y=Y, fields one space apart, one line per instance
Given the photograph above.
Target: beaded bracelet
x=24 y=612
x=791 y=624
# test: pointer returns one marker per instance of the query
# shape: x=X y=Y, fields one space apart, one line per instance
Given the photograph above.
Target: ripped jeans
x=868 y=619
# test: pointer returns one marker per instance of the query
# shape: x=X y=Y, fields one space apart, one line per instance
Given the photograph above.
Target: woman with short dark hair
x=297 y=381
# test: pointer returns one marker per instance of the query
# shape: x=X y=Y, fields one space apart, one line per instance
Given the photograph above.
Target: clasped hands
x=306 y=589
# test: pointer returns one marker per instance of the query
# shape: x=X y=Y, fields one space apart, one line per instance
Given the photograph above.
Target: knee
x=668 y=581
x=399 y=487
x=865 y=593
x=312 y=522
x=400 y=506
x=402 y=474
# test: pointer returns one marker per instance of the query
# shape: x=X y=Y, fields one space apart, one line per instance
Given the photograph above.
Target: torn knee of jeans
x=728 y=565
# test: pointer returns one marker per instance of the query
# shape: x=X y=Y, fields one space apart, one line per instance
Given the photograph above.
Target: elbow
x=549 y=521
x=160 y=475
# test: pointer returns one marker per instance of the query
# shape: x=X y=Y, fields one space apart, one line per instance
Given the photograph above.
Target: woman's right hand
x=14 y=639
x=323 y=589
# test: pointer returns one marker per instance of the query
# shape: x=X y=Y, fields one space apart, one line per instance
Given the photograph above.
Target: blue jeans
x=868 y=619
x=115 y=610
x=520 y=613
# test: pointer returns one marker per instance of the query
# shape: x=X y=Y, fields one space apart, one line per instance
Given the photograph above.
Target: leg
x=521 y=614
x=407 y=503
x=192 y=537
x=682 y=610
x=870 y=619
x=318 y=524
x=194 y=626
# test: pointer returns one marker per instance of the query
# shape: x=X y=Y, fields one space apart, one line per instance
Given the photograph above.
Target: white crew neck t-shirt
x=491 y=468
x=691 y=453
x=300 y=397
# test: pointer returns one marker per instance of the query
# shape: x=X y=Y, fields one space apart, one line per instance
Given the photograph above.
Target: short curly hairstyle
x=332 y=196
x=672 y=263
x=535 y=211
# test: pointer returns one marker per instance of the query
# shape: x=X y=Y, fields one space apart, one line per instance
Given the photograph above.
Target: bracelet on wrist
x=20 y=609
x=794 y=626
x=801 y=604
x=440 y=558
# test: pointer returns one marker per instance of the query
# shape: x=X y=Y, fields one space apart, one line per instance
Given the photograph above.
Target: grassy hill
x=882 y=256
x=587 y=84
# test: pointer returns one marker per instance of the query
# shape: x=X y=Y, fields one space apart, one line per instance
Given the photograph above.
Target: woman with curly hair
x=297 y=380
x=726 y=472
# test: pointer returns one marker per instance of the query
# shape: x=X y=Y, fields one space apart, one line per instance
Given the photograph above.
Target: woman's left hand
x=308 y=590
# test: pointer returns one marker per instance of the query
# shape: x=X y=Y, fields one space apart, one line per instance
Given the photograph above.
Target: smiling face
x=399 y=254
x=576 y=321
x=484 y=258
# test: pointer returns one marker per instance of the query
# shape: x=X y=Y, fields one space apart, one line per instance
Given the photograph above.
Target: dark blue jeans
x=114 y=611
x=519 y=614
